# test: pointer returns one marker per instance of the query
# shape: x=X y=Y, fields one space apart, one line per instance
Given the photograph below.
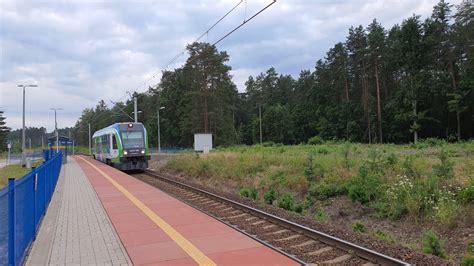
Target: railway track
x=302 y=244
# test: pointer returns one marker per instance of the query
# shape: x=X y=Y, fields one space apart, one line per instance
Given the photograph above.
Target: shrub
x=433 y=245
x=392 y=159
x=445 y=168
x=248 y=192
x=358 y=227
x=286 y=201
x=269 y=196
x=407 y=166
x=309 y=169
x=346 y=148
x=327 y=188
x=268 y=144
x=316 y=140
x=322 y=151
x=298 y=207
x=365 y=187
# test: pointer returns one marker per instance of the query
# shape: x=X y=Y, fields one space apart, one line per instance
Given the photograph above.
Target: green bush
x=365 y=187
x=408 y=166
x=269 y=196
x=358 y=227
x=286 y=201
x=392 y=159
x=346 y=148
x=433 y=245
x=248 y=192
x=316 y=140
x=298 y=207
x=327 y=188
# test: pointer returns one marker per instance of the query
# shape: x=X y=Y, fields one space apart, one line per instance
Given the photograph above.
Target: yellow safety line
x=187 y=246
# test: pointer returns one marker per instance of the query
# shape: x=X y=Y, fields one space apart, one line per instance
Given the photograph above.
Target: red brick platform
x=158 y=229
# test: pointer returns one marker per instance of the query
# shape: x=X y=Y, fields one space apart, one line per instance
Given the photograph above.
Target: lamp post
x=23 y=157
x=158 y=120
x=56 y=128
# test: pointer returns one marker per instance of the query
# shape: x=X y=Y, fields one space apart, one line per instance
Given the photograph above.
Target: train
x=122 y=145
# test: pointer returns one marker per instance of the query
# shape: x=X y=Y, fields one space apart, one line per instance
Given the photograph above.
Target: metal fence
x=22 y=206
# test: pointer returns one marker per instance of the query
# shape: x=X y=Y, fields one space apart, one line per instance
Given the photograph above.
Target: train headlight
x=143 y=151
x=125 y=152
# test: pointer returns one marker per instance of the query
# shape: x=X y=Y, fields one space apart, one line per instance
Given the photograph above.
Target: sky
x=79 y=52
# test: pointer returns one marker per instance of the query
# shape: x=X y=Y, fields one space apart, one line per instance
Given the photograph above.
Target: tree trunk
x=415 y=123
x=453 y=79
x=379 y=108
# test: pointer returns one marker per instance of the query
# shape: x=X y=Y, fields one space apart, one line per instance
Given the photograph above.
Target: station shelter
x=65 y=146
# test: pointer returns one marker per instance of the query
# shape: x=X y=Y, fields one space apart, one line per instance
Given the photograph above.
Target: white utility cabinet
x=202 y=142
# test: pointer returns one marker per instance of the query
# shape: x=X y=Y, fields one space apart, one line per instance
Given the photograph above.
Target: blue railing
x=22 y=206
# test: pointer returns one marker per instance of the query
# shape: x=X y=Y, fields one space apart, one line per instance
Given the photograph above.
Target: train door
x=113 y=146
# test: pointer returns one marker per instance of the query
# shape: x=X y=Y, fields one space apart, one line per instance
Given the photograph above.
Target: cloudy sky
x=81 y=51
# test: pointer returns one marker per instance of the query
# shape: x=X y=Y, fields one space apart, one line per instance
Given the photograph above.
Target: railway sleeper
x=338 y=260
x=319 y=251
x=287 y=238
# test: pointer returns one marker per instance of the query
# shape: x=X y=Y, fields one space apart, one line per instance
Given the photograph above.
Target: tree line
x=414 y=80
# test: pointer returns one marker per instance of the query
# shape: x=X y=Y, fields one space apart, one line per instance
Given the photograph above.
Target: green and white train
x=122 y=145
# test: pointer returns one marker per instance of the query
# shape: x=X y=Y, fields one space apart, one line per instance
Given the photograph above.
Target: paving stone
x=84 y=233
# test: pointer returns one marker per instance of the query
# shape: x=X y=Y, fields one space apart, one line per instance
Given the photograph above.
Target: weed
x=433 y=245
x=269 y=196
x=298 y=207
x=286 y=201
x=384 y=236
x=358 y=227
x=447 y=209
x=321 y=216
x=248 y=192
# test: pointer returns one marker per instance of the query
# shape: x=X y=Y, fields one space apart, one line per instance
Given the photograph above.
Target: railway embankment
x=402 y=199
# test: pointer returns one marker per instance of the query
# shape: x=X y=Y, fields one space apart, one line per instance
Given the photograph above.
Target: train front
x=135 y=153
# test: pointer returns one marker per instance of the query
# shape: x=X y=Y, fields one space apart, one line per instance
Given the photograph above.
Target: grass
x=14 y=170
x=430 y=182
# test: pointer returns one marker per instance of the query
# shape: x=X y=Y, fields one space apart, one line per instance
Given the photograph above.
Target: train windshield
x=132 y=139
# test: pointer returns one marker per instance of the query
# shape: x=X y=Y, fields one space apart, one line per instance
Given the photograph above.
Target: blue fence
x=22 y=206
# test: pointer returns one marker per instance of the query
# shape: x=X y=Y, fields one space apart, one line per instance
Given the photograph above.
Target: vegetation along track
x=298 y=242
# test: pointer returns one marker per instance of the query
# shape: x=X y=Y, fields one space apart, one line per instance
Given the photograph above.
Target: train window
x=114 y=142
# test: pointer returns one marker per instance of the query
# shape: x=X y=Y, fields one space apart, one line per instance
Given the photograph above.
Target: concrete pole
x=159 y=139
x=90 y=150
x=260 y=118
x=57 y=133
x=23 y=155
x=135 y=109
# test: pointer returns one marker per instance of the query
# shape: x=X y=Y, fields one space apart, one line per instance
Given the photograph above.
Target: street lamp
x=56 y=128
x=158 y=118
x=23 y=162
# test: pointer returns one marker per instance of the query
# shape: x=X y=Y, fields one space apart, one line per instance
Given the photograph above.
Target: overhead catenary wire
x=205 y=33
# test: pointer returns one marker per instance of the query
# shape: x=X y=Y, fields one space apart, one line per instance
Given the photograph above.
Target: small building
x=65 y=146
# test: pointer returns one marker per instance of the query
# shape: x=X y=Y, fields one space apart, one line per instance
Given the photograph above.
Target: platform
x=151 y=226
x=76 y=228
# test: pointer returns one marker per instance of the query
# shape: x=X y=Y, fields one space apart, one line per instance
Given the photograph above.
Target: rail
x=350 y=248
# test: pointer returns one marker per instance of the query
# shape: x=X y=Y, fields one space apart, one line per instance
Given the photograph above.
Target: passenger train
x=122 y=145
